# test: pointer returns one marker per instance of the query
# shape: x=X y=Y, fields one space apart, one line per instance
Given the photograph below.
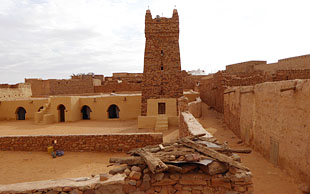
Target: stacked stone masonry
x=162 y=76
x=77 y=143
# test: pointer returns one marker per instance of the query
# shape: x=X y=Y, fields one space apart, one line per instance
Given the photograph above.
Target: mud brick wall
x=77 y=85
x=77 y=143
x=11 y=92
x=72 y=86
x=162 y=76
x=291 y=74
x=244 y=67
x=274 y=122
x=195 y=108
x=115 y=86
x=212 y=91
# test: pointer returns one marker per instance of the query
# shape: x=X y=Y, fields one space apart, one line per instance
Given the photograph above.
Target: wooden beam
x=155 y=164
x=212 y=153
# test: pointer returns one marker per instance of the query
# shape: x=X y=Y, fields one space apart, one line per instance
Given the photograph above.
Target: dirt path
x=267 y=179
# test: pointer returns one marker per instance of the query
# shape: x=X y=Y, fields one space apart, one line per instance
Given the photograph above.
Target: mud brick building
x=162 y=76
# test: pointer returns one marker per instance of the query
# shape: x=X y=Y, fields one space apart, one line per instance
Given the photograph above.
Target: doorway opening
x=86 y=112
x=61 y=112
x=161 y=108
x=20 y=113
x=113 y=112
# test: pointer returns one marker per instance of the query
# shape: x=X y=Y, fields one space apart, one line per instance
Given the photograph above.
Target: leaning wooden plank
x=133 y=160
x=154 y=163
x=212 y=153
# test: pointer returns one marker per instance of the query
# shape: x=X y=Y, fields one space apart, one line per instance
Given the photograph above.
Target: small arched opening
x=113 y=111
x=61 y=112
x=20 y=113
x=40 y=108
x=85 y=112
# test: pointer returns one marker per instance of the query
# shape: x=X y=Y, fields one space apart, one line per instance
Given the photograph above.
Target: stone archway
x=61 y=112
x=113 y=111
x=20 y=113
x=86 y=112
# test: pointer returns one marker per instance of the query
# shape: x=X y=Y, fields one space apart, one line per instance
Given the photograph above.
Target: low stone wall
x=195 y=108
x=188 y=125
x=88 y=143
x=235 y=181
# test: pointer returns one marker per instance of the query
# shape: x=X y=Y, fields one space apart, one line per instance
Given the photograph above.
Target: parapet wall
x=274 y=118
x=292 y=63
x=117 y=86
x=18 y=91
x=195 y=108
x=77 y=143
x=188 y=125
x=77 y=85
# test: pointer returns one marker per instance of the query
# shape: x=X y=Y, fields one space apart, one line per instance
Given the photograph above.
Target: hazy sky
x=55 y=38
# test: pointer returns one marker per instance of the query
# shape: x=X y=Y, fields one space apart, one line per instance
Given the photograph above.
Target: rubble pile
x=194 y=164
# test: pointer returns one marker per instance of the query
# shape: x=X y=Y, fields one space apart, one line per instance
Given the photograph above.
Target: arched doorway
x=61 y=109
x=20 y=113
x=85 y=112
x=113 y=112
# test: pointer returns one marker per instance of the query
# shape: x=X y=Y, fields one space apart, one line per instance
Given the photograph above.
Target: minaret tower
x=162 y=80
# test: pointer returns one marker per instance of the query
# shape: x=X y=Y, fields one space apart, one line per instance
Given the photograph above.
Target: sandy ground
x=267 y=179
x=79 y=127
x=18 y=167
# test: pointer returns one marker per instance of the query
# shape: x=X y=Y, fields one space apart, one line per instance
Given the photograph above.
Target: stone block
x=135 y=175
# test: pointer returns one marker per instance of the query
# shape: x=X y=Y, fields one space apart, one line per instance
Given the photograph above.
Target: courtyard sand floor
x=79 y=127
x=267 y=179
x=16 y=167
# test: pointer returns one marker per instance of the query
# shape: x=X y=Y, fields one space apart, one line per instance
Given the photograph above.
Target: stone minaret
x=162 y=66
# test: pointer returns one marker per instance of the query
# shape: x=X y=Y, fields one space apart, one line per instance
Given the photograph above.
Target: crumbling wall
x=139 y=179
x=274 y=118
x=11 y=92
x=77 y=143
x=291 y=74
